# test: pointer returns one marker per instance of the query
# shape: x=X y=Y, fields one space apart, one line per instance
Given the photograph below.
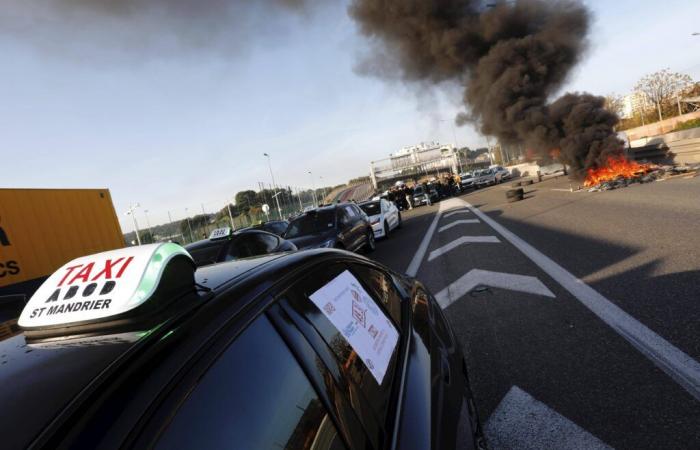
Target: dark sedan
x=321 y=350
x=343 y=225
x=224 y=245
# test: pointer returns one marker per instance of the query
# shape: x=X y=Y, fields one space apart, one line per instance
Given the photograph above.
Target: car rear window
x=371 y=208
x=311 y=222
x=206 y=254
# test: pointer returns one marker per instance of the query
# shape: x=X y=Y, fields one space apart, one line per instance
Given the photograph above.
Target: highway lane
x=585 y=382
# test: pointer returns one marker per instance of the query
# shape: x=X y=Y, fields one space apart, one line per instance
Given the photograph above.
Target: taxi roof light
x=110 y=289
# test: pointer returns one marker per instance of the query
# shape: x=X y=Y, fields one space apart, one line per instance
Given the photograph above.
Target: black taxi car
x=321 y=349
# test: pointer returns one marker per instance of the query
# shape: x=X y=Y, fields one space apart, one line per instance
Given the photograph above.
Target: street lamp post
x=189 y=224
x=313 y=192
x=230 y=214
x=454 y=135
x=325 y=192
x=131 y=212
x=148 y=224
x=274 y=186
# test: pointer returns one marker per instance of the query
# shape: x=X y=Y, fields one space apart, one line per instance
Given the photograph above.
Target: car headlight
x=375 y=221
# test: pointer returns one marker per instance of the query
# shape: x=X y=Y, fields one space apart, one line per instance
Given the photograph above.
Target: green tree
x=246 y=199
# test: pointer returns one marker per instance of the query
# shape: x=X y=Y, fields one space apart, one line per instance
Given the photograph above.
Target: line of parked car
x=484 y=177
x=347 y=226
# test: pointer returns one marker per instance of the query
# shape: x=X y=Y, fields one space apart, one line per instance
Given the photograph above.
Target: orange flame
x=615 y=168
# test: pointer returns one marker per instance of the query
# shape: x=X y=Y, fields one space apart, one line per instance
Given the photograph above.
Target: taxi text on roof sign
x=99 y=286
x=220 y=233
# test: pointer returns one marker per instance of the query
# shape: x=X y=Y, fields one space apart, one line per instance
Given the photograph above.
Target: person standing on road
x=408 y=196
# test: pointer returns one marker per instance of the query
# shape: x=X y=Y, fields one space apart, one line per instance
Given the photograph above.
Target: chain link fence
x=248 y=208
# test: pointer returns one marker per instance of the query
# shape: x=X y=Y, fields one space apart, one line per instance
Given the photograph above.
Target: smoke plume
x=510 y=58
x=106 y=30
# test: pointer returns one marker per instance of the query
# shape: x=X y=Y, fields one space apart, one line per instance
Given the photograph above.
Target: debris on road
x=514 y=195
x=645 y=173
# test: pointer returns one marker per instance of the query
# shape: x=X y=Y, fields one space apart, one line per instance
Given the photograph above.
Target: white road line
x=677 y=364
x=463 y=211
x=423 y=247
x=521 y=422
x=476 y=277
x=461 y=241
x=457 y=222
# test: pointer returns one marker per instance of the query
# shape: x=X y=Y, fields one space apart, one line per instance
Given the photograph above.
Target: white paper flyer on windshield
x=360 y=320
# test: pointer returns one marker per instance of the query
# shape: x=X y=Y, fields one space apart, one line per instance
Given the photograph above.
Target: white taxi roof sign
x=220 y=233
x=100 y=286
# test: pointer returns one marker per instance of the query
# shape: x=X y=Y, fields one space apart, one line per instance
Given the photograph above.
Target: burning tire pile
x=621 y=172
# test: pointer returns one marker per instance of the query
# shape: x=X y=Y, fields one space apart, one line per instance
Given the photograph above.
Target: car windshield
x=371 y=208
x=418 y=190
x=311 y=223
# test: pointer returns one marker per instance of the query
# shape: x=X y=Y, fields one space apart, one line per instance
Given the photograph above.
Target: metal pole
x=274 y=186
x=189 y=224
x=148 y=223
x=488 y=142
x=136 y=225
x=230 y=215
x=313 y=192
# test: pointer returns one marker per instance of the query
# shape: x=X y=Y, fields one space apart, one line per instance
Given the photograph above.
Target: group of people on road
x=402 y=196
x=401 y=193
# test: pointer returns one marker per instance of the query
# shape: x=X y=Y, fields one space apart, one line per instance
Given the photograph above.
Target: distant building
x=633 y=103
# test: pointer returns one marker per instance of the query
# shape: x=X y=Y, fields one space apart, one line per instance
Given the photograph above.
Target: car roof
x=46 y=377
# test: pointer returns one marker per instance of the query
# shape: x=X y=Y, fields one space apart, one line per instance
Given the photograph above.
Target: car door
x=344 y=228
x=243 y=400
x=390 y=215
x=356 y=227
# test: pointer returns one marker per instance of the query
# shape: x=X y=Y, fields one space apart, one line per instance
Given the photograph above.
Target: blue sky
x=174 y=127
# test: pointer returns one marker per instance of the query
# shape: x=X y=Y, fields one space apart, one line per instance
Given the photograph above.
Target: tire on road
x=514 y=195
x=386 y=230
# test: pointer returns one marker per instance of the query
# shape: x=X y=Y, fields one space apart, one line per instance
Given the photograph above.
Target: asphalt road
x=579 y=312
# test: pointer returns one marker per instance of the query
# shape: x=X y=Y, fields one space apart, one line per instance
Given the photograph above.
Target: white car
x=502 y=173
x=383 y=215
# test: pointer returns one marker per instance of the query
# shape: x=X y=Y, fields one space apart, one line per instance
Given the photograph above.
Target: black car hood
x=312 y=240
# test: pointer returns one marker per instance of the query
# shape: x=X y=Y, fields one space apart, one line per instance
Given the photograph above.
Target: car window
x=312 y=222
x=372 y=208
x=382 y=287
x=279 y=228
x=343 y=217
x=350 y=211
x=255 y=396
x=251 y=244
x=376 y=395
x=206 y=254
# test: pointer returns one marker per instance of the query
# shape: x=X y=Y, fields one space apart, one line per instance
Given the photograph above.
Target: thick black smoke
x=510 y=58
